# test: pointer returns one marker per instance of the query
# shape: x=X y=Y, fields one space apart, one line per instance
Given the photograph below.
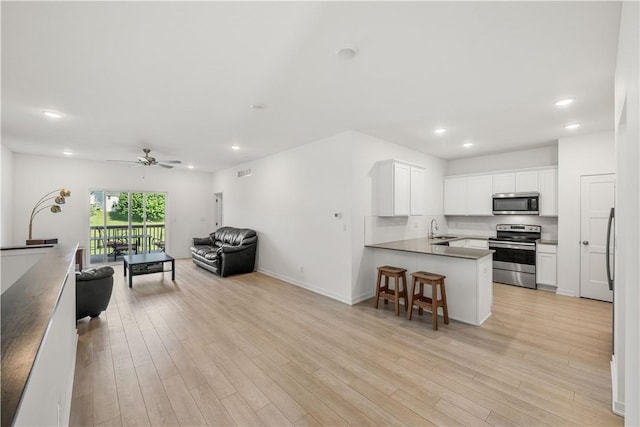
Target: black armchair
x=93 y=291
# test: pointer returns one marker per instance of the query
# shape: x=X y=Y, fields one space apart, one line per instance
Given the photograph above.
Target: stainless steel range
x=514 y=259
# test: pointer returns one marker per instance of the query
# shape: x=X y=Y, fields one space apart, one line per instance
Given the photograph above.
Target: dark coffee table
x=139 y=264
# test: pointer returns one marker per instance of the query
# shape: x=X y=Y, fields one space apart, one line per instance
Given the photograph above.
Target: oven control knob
x=585 y=242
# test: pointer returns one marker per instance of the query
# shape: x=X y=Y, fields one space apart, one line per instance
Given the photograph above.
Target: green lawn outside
x=115 y=218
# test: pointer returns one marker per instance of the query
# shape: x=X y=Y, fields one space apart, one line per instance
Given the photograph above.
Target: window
x=125 y=222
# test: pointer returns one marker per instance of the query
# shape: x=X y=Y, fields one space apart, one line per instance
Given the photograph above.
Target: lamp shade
x=53 y=207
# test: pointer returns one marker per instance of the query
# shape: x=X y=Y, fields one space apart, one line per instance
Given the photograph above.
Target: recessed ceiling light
x=235 y=147
x=52 y=114
x=467 y=145
x=67 y=153
x=564 y=102
x=439 y=131
x=347 y=52
x=572 y=126
x=258 y=107
x=190 y=167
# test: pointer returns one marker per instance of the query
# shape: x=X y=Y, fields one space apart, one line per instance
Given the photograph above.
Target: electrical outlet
x=301 y=269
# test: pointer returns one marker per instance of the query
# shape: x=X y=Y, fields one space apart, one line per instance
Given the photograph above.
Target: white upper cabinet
x=455 y=196
x=399 y=189
x=479 y=192
x=468 y=195
x=416 y=199
x=526 y=181
x=548 y=185
x=504 y=183
x=471 y=194
x=515 y=182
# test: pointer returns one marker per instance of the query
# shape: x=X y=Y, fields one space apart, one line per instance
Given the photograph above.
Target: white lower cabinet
x=546 y=264
x=477 y=243
x=470 y=243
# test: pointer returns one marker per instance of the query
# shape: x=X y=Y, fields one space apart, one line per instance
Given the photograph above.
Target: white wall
x=367 y=151
x=625 y=367
x=290 y=200
x=6 y=188
x=521 y=159
x=577 y=156
x=189 y=200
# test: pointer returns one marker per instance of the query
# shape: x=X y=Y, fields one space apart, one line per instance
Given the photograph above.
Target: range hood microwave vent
x=516 y=203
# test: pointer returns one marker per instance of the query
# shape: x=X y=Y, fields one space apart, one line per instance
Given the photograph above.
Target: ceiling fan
x=148 y=160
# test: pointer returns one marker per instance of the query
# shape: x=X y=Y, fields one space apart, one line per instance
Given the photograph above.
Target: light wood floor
x=253 y=350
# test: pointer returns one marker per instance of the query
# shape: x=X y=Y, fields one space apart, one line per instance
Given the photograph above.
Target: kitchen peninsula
x=468 y=271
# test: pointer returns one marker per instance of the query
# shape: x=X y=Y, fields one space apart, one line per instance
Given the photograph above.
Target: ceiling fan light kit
x=148 y=160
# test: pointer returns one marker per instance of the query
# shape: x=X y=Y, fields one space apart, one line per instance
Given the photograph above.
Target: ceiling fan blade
x=122 y=161
x=164 y=166
x=175 y=162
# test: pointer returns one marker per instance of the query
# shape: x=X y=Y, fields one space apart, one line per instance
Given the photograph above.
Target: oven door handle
x=523 y=246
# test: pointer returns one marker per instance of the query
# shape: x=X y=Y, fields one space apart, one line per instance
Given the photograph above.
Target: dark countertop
x=27 y=307
x=11 y=248
x=431 y=247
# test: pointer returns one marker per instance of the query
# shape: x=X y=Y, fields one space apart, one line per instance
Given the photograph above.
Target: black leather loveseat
x=226 y=251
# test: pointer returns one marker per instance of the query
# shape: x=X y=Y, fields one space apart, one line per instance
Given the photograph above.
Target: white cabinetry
x=399 y=189
x=416 y=198
x=470 y=243
x=548 y=184
x=515 y=182
x=468 y=195
x=526 y=181
x=546 y=264
x=478 y=243
x=471 y=194
x=504 y=183
x=479 y=192
x=458 y=243
x=455 y=196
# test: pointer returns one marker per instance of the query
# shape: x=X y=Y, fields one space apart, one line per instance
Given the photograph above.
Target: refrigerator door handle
x=610 y=271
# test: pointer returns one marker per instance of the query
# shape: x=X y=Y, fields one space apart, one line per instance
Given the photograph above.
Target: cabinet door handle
x=585 y=242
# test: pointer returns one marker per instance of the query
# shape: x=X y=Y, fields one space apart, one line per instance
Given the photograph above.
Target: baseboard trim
x=362 y=297
x=324 y=292
x=565 y=292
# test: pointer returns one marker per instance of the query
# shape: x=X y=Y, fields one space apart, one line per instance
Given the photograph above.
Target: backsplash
x=486 y=225
x=379 y=229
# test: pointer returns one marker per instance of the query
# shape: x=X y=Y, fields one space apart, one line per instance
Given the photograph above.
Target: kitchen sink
x=444 y=237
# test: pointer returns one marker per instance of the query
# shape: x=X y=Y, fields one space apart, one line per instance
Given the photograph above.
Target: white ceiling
x=179 y=78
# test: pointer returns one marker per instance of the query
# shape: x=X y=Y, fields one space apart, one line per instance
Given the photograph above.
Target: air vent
x=246 y=172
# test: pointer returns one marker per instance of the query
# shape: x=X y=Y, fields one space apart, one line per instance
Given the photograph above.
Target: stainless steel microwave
x=516 y=203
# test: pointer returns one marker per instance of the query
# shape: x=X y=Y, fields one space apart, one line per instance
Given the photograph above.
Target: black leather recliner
x=227 y=251
x=93 y=291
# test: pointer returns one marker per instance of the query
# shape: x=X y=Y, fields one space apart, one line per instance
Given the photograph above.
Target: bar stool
x=395 y=293
x=423 y=302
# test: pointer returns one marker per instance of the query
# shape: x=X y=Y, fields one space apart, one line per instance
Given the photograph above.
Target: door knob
x=585 y=242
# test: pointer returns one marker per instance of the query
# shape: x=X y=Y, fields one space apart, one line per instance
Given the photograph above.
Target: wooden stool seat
x=430 y=303
x=385 y=292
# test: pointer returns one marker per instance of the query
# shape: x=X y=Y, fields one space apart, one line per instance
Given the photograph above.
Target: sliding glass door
x=125 y=222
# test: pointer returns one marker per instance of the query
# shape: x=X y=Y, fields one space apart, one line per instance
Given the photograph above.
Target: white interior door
x=596 y=200
x=218 y=211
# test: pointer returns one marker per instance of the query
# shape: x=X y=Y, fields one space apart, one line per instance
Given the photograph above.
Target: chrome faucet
x=431 y=228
